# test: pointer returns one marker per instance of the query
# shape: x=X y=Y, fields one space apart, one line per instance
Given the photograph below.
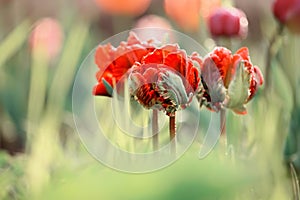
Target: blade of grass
x=37 y=91
x=271 y=53
x=12 y=43
x=223 y=137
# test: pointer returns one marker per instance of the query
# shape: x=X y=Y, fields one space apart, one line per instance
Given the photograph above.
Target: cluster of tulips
x=165 y=78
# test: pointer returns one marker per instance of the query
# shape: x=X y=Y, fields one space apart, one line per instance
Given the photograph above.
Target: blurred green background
x=41 y=156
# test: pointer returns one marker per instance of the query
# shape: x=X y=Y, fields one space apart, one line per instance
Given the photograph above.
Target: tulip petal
x=213 y=80
x=238 y=90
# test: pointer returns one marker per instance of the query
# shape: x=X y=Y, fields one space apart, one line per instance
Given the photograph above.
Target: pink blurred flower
x=153 y=21
x=47 y=36
x=288 y=12
x=228 y=22
x=187 y=13
x=128 y=7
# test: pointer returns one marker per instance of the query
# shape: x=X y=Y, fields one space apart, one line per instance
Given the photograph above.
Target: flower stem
x=155 y=141
x=223 y=122
x=271 y=52
x=223 y=138
x=172 y=128
x=296 y=189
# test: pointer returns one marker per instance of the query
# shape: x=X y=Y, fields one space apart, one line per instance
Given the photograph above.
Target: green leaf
x=108 y=87
x=12 y=43
x=238 y=90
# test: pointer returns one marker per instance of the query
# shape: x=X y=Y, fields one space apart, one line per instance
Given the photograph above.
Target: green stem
x=295 y=183
x=37 y=92
x=223 y=122
x=223 y=128
x=271 y=53
x=155 y=141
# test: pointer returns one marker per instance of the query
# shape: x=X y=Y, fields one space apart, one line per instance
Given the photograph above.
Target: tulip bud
x=287 y=12
x=47 y=36
x=228 y=22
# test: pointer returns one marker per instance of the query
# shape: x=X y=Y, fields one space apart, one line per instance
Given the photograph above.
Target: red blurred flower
x=187 y=13
x=288 y=12
x=47 y=36
x=228 y=22
x=128 y=7
x=113 y=62
x=230 y=80
x=166 y=79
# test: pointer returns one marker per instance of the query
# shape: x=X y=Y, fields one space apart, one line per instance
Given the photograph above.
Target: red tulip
x=288 y=12
x=165 y=79
x=114 y=62
x=228 y=22
x=230 y=80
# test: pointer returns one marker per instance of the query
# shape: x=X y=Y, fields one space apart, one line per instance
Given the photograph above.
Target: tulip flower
x=287 y=13
x=47 y=36
x=230 y=80
x=165 y=79
x=113 y=62
x=228 y=22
